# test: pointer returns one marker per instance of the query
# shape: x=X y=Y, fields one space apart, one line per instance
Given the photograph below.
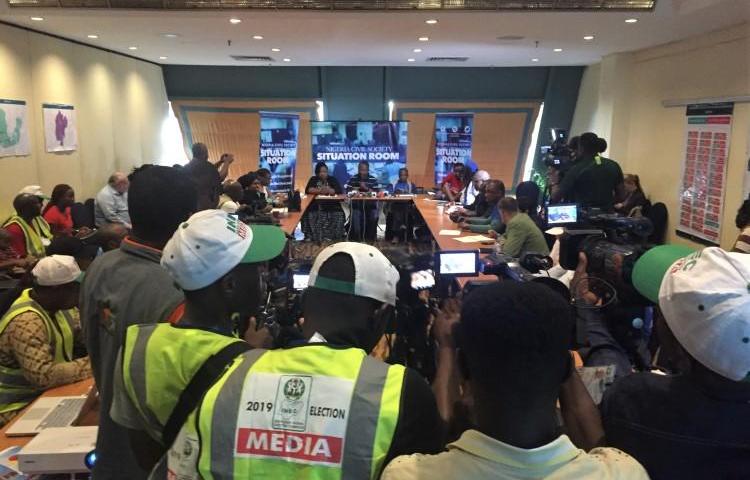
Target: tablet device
x=457 y=263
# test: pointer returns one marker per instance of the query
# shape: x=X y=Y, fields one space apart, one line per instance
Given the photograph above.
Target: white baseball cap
x=56 y=270
x=212 y=242
x=374 y=275
x=705 y=299
x=35 y=190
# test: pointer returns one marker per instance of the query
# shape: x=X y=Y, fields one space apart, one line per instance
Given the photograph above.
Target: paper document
x=475 y=238
x=450 y=233
x=597 y=380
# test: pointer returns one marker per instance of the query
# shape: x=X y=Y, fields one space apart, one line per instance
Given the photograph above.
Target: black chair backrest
x=83 y=214
x=658 y=215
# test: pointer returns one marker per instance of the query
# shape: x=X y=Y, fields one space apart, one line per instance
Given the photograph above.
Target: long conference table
x=431 y=212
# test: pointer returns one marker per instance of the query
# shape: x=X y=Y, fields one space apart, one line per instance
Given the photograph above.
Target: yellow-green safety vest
x=310 y=412
x=34 y=234
x=158 y=362
x=15 y=390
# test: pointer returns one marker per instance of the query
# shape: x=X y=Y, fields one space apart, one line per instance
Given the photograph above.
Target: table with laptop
x=55 y=434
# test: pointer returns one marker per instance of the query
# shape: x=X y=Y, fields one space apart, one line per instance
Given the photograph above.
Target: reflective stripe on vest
x=15 y=390
x=290 y=433
x=33 y=234
x=158 y=363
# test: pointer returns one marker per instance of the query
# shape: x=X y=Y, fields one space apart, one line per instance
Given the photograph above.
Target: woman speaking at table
x=324 y=221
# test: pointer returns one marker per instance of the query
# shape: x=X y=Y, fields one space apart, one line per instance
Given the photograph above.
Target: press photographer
x=592 y=181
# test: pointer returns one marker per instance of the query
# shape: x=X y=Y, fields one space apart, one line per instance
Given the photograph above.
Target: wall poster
x=14 y=128
x=60 y=134
x=704 y=171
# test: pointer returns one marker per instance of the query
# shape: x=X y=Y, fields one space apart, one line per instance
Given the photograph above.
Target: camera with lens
x=282 y=302
x=612 y=245
x=415 y=302
x=558 y=154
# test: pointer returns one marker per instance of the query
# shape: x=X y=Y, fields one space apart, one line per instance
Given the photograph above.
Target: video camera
x=612 y=244
x=558 y=155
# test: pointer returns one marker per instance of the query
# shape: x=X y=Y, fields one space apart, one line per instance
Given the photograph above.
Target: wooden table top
x=89 y=413
x=437 y=220
x=289 y=222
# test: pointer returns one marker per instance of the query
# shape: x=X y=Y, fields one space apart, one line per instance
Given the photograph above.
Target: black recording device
x=612 y=245
x=519 y=270
x=558 y=154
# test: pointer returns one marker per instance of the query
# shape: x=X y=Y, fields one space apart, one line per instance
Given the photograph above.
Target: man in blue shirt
x=111 y=203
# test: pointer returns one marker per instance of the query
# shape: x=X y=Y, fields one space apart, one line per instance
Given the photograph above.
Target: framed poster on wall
x=704 y=171
x=60 y=131
x=14 y=128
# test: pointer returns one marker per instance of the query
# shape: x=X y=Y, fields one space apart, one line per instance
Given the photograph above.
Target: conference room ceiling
x=372 y=38
x=453 y=5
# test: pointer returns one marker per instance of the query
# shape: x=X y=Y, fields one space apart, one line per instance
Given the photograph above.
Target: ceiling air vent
x=252 y=58
x=447 y=59
x=510 y=38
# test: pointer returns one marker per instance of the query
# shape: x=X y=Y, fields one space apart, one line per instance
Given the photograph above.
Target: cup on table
x=441 y=209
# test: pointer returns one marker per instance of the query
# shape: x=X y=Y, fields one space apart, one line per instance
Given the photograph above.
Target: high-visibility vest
x=158 y=362
x=34 y=234
x=15 y=391
x=311 y=412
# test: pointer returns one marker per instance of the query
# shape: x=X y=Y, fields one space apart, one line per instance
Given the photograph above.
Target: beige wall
x=120 y=104
x=621 y=100
x=236 y=129
x=496 y=141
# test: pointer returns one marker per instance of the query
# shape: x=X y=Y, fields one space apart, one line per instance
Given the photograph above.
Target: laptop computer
x=47 y=412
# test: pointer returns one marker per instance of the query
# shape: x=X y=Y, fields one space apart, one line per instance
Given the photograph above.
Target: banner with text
x=343 y=145
x=453 y=133
x=278 y=148
x=704 y=171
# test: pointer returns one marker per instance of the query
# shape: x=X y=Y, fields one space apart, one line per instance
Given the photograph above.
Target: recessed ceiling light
x=163 y=58
x=534 y=59
x=275 y=49
x=257 y=37
x=132 y=48
x=92 y=36
x=431 y=21
x=37 y=19
x=235 y=21
x=287 y=59
x=557 y=50
x=417 y=50
x=631 y=20
x=169 y=35
x=411 y=60
x=424 y=39
x=588 y=37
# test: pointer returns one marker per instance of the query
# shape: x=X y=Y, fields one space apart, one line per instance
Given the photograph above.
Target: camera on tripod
x=558 y=155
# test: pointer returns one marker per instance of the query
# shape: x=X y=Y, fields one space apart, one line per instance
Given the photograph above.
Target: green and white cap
x=212 y=242
x=705 y=298
x=374 y=275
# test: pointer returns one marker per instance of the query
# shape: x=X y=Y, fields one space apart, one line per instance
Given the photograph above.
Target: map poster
x=60 y=133
x=704 y=171
x=14 y=128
